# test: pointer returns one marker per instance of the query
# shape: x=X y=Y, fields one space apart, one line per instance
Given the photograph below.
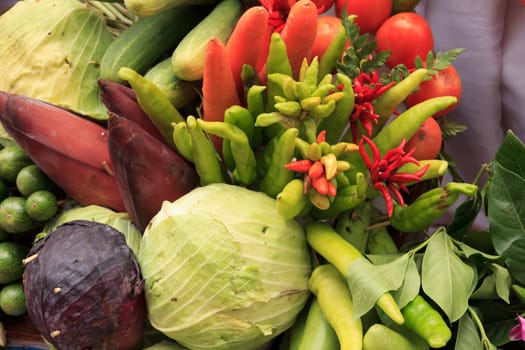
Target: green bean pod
x=182 y=140
x=337 y=122
x=336 y=305
x=292 y=201
x=245 y=169
x=312 y=331
x=154 y=102
x=427 y=322
x=381 y=337
x=205 y=158
x=386 y=104
x=404 y=126
x=277 y=176
x=429 y=206
x=336 y=250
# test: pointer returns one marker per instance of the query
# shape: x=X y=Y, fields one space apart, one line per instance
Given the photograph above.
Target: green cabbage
x=51 y=49
x=119 y=221
x=223 y=270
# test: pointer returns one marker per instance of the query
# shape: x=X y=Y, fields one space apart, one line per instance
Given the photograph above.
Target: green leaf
x=506 y=198
x=446 y=279
x=496 y=284
x=410 y=287
x=367 y=282
x=467 y=335
x=464 y=215
x=515 y=260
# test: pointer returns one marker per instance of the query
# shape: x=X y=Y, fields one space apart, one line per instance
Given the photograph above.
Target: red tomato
x=323 y=5
x=327 y=28
x=427 y=140
x=370 y=13
x=445 y=83
x=407 y=35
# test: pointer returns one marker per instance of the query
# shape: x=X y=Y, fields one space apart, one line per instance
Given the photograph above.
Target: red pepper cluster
x=367 y=87
x=319 y=172
x=384 y=171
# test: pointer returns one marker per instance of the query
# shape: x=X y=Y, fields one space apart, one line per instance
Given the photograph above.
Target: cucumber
x=146 y=8
x=187 y=59
x=180 y=92
x=146 y=41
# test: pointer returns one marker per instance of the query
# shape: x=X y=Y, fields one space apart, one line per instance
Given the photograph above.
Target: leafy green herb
x=360 y=56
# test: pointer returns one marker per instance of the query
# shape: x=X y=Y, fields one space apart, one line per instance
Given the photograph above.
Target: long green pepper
x=154 y=102
x=205 y=158
x=245 y=169
x=429 y=206
x=337 y=122
x=386 y=104
x=328 y=243
x=336 y=305
x=277 y=176
x=404 y=126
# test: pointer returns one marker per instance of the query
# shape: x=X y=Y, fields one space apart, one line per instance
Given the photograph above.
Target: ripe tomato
x=324 y=5
x=427 y=140
x=407 y=35
x=370 y=13
x=327 y=28
x=445 y=83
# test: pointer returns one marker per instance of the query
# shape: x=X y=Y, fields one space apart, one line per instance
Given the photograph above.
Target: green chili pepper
x=182 y=140
x=154 y=102
x=337 y=122
x=386 y=104
x=381 y=337
x=336 y=305
x=277 y=176
x=278 y=61
x=342 y=254
x=205 y=158
x=255 y=99
x=436 y=168
x=332 y=54
x=243 y=156
x=404 y=126
x=242 y=118
x=292 y=201
x=429 y=206
x=347 y=198
x=380 y=241
x=311 y=330
x=248 y=76
x=309 y=75
x=352 y=225
x=427 y=322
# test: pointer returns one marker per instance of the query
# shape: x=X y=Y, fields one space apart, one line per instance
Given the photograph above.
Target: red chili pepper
x=321 y=137
x=316 y=170
x=320 y=184
x=300 y=166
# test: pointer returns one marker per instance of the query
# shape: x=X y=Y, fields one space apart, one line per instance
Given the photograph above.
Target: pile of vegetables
x=267 y=173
